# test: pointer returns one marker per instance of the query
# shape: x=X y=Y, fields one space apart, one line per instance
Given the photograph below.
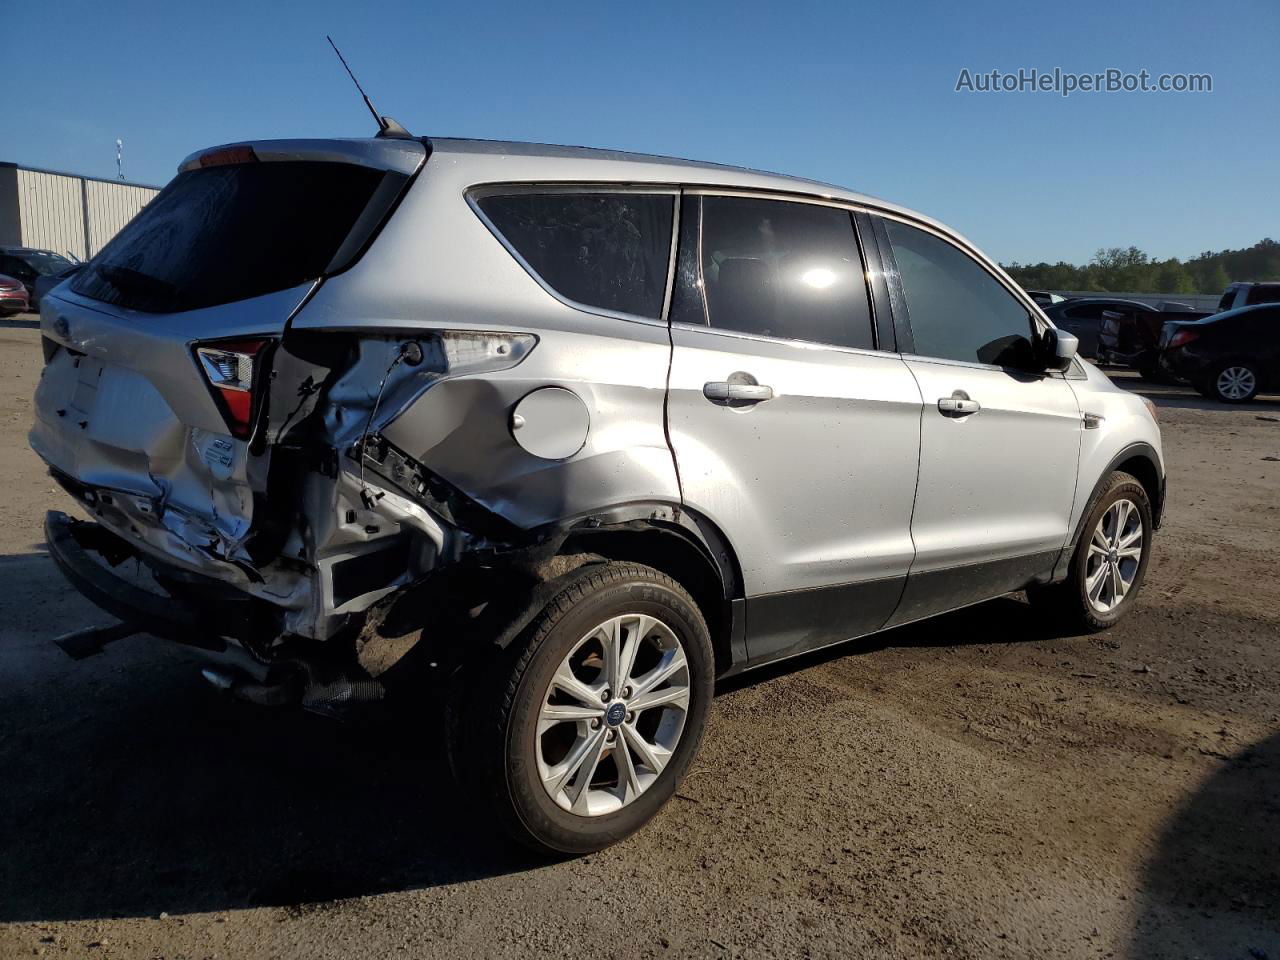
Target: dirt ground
x=976 y=786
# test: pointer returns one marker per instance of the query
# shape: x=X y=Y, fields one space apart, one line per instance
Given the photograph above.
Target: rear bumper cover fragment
x=71 y=543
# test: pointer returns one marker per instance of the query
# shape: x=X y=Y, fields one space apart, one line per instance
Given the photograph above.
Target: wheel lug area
x=606 y=695
x=626 y=692
x=595 y=724
x=611 y=736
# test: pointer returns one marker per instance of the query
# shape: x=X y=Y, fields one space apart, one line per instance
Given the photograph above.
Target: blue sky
x=860 y=94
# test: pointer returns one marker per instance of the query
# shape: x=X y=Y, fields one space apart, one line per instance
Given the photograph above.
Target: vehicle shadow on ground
x=128 y=787
x=1184 y=397
x=1007 y=619
x=1212 y=887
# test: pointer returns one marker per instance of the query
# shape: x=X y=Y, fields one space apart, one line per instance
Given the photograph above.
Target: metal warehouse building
x=64 y=212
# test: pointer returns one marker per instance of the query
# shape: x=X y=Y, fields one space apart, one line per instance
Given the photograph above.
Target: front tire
x=581 y=729
x=1109 y=563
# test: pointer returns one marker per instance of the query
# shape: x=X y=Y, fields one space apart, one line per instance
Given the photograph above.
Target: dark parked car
x=1125 y=332
x=13 y=296
x=29 y=264
x=1248 y=295
x=1083 y=317
x=48 y=281
x=1229 y=356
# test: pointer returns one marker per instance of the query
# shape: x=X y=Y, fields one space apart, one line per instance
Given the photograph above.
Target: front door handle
x=725 y=390
x=958 y=405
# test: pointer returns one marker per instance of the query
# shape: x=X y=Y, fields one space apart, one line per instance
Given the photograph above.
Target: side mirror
x=1060 y=349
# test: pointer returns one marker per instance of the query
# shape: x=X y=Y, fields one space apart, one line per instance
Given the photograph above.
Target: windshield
x=229 y=233
x=45 y=263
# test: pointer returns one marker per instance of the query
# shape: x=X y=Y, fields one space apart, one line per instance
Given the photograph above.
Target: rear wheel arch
x=690 y=550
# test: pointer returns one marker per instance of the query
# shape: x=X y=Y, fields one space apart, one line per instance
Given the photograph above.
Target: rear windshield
x=229 y=233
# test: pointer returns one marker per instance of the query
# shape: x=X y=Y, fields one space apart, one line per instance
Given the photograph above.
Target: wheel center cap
x=616 y=713
x=1115 y=555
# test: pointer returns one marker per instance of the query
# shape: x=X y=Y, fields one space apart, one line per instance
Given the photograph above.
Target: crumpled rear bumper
x=86 y=552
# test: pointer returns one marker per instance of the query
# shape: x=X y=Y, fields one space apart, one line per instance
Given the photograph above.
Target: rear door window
x=957 y=309
x=605 y=250
x=1089 y=311
x=1264 y=294
x=227 y=233
x=775 y=268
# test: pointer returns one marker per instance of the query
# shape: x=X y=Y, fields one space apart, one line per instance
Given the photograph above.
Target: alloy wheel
x=1237 y=383
x=612 y=715
x=1115 y=554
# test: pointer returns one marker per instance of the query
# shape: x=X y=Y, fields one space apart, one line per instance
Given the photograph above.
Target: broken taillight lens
x=231 y=367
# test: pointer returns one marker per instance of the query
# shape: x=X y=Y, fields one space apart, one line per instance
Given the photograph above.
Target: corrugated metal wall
x=69 y=214
x=52 y=212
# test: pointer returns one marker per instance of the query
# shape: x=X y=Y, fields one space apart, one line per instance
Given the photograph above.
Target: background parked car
x=1249 y=294
x=13 y=296
x=48 y=281
x=1128 y=332
x=28 y=264
x=1229 y=356
x=1083 y=317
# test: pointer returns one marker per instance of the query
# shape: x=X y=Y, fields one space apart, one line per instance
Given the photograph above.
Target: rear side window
x=230 y=233
x=606 y=250
x=1264 y=294
x=1228 y=299
x=1090 y=311
x=778 y=269
x=958 y=311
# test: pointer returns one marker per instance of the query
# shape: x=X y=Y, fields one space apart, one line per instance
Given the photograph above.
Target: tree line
x=1116 y=269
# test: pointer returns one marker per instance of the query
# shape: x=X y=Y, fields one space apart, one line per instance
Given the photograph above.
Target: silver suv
x=580 y=431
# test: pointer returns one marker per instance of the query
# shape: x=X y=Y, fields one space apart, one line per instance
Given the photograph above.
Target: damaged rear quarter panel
x=436 y=266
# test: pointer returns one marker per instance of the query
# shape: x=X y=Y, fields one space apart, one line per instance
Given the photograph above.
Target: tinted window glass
x=784 y=269
x=13 y=267
x=1228 y=299
x=958 y=310
x=1268 y=294
x=229 y=233
x=1090 y=311
x=45 y=263
x=609 y=250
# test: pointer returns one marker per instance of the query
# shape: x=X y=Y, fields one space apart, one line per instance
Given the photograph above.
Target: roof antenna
x=386 y=126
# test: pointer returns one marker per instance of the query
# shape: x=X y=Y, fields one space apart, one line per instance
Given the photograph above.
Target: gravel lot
x=976 y=786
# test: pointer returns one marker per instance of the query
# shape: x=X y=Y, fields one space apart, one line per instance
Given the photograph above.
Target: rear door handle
x=958 y=405
x=722 y=390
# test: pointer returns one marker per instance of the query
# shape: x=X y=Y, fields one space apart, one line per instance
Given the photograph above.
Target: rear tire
x=1109 y=563
x=566 y=761
x=1234 y=381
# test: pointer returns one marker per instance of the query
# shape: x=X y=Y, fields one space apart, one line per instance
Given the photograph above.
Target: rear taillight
x=1181 y=338
x=231 y=368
